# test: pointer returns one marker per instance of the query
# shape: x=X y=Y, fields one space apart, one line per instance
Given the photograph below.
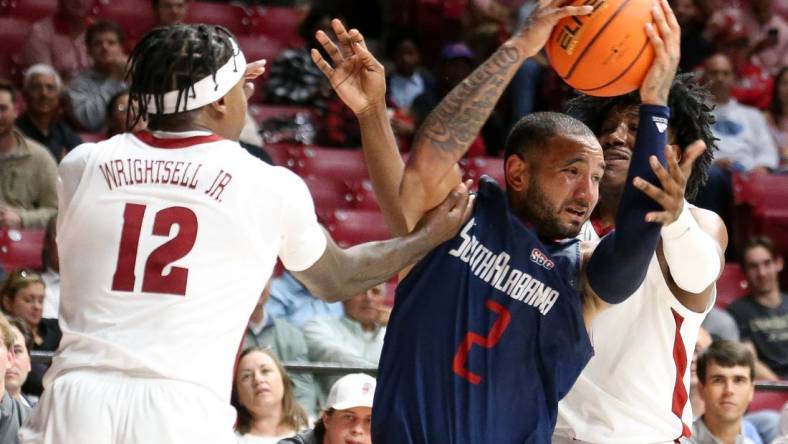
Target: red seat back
x=32 y=10
x=346 y=165
x=328 y=195
x=233 y=17
x=280 y=24
x=21 y=248
x=351 y=227
x=768 y=400
x=731 y=285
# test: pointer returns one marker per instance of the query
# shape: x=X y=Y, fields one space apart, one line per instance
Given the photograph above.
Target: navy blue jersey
x=485 y=338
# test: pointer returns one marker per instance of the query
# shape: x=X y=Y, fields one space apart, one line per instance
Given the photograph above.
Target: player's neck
x=725 y=431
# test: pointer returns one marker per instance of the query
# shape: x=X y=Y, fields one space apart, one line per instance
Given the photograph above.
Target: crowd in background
x=74 y=87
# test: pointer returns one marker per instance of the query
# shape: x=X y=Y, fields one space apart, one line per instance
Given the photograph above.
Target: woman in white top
x=263 y=397
x=777 y=115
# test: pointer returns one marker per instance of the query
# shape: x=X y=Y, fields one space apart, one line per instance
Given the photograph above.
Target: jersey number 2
x=154 y=280
x=471 y=339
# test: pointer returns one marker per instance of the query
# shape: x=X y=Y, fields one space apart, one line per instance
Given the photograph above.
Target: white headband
x=206 y=90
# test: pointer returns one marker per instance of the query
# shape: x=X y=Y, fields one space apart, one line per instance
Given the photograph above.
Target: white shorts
x=91 y=407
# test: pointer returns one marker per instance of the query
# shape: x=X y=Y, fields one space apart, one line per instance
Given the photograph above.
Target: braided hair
x=173 y=58
x=690 y=120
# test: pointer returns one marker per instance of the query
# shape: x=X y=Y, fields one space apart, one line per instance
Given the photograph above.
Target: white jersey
x=635 y=387
x=165 y=246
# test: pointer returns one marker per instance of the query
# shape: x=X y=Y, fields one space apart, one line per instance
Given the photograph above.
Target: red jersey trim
x=680 y=395
x=599 y=229
x=175 y=142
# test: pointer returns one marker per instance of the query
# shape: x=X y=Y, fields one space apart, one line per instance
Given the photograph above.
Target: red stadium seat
x=758 y=190
x=135 y=17
x=13 y=34
x=281 y=154
x=21 y=248
x=279 y=23
x=476 y=167
x=233 y=17
x=329 y=196
x=351 y=227
x=31 y=10
x=364 y=196
x=261 y=113
x=347 y=165
x=13 y=37
x=768 y=400
x=731 y=285
x=258 y=47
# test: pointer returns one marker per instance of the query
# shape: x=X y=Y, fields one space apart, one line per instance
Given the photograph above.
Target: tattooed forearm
x=454 y=124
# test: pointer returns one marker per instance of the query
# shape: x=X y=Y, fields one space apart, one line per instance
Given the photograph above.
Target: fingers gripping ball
x=606 y=53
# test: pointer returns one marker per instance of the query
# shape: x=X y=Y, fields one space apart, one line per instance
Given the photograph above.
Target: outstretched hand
x=356 y=75
x=666 y=41
x=543 y=19
x=673 y=181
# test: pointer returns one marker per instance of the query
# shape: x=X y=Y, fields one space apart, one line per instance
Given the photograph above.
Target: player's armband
x=691 y=254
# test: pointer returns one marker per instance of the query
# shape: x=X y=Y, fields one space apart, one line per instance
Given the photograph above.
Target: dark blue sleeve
x=620 y=261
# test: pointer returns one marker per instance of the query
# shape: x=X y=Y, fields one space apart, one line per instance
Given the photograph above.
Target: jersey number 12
x=154 y=280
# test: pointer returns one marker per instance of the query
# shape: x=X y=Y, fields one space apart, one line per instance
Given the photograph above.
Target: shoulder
x=38 y=152
x=287 y=328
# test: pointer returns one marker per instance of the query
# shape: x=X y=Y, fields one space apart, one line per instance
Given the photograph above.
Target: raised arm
x=449 y=130
x=360 y=81
x=619 y=263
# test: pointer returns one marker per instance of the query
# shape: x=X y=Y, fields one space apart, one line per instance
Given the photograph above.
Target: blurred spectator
x=90 y=92
x=355 y=339
x=41 y=120
x=169 y=12
x=696 y=402
x=292 y=302
x=293 y=79
x=751 y=84
x=263 y=397
x=777 y=115
x=726 y=385
x=348 y=414
x=14 y=412
x=59 y=40
x=16 y=376
x=721 y=325
x=27 y=172
x=763 y=315
x=456 y=63
x=695 y=47
x=287 y=343
x=51 y=271
x=768 y=48
x=117 y=115
x=22 y=295
x=744 y=144
x=408 y=80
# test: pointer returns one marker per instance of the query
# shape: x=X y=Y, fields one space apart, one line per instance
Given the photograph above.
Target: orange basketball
x=606 y=53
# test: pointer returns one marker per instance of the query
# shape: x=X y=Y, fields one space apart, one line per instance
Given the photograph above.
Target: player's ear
x=218 y=108
x=517 y=171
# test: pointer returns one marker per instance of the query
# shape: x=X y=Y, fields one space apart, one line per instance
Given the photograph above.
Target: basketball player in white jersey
x=167 y=238
x=635 y=388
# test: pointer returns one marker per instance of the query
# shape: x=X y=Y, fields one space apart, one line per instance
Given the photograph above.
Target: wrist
x=373 y=110
x=680 y=226
x=523 y=44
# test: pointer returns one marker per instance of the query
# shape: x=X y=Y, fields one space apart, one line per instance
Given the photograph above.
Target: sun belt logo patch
x=541 y=259
x=661 y=122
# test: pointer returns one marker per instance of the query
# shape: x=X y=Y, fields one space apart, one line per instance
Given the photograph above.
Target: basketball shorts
x=91 y=407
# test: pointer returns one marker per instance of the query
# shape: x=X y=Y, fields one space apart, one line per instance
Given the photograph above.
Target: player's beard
x=543 y=214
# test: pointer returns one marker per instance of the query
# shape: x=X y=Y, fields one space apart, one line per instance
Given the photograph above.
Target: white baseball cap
x=353 y=390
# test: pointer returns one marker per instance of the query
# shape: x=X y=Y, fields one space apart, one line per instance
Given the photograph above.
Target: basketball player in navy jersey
x=489 y=331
